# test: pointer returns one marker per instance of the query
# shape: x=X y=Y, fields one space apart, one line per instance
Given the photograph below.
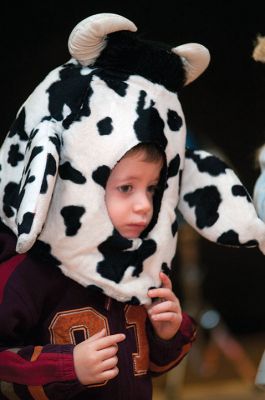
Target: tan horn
x=195 y=58
x=87 y=39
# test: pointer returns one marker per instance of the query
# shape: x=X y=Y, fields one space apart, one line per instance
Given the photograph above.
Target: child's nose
x=142 y=203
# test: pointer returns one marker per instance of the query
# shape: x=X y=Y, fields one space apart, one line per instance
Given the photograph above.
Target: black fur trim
x=126 y=53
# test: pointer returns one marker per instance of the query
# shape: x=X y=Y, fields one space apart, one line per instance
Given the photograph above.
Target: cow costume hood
x=115 y=92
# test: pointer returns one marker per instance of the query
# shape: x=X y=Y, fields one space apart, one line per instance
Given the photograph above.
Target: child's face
x=129 y=194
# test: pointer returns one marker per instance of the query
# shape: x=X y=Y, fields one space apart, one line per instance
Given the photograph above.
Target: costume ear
x=37 y=183
x=215 y=203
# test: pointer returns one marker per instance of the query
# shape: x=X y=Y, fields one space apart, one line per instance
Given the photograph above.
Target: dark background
x=224 y=108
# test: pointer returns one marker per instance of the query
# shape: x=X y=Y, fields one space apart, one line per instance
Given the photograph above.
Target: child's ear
x=37 y=183
x=216 y=204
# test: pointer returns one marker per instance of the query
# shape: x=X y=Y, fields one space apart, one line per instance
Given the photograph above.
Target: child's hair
x=152 y=153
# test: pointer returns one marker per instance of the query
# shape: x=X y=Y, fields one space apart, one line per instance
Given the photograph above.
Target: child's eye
x=152 y=189
x=125 y=188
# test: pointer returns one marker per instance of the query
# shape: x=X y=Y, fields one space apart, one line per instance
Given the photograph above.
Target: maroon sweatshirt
x=44 y=314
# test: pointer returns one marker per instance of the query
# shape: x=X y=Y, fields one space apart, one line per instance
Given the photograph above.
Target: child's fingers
x=110 y=340
x=108 y=352
x=165 y=291
x=167 y=317
x=166 y=282
x=165 y=306
x=97 y=335
x=162 y=293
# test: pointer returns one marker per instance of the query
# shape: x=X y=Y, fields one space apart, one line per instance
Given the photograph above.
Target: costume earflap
x=215 y=203
x=26 y=200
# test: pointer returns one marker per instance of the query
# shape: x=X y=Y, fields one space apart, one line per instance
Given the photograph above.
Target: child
x=129 y=199
x=89 y=220
x=106 y=321
x=99 y=347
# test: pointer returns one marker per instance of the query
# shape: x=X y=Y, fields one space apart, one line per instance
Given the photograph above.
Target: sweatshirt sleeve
x=38 y=372
x=29 y=371
x=166 y=354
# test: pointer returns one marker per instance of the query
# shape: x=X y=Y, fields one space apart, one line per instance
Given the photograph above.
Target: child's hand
x=165 y=313
x=95 y=359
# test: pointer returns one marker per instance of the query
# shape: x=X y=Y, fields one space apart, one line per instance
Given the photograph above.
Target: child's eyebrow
x=127 y=178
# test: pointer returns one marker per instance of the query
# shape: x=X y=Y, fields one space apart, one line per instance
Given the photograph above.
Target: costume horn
x=195 y=58
x=87 y=39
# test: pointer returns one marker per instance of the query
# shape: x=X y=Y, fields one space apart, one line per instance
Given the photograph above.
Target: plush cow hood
x=115 y=92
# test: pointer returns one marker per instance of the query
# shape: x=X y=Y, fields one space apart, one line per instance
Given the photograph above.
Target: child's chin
x=132 y=234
